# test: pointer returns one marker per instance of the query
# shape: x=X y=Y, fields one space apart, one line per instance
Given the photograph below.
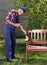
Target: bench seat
x=36 y=48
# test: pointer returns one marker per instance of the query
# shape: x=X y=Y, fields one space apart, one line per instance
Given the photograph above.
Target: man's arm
x=23 y=30
x=17 y=25
x=13 y=24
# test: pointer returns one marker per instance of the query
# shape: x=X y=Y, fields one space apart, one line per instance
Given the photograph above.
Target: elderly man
x=12 y=21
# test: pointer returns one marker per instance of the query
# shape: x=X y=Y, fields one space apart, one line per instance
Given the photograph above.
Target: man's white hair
x=13 y=10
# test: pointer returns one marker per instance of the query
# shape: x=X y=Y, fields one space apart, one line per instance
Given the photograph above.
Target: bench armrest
x=28 y=42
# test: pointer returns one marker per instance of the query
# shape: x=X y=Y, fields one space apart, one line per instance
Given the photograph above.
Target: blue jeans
x=10 y=40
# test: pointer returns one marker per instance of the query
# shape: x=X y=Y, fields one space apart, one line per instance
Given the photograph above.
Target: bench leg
x=27 y=54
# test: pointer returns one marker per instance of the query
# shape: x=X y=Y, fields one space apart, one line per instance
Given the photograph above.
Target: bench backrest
x=39 y=36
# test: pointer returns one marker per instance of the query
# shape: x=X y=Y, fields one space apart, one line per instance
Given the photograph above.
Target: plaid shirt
x=11 y=15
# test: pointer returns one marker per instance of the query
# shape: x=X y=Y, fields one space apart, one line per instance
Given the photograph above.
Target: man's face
x=20 y=12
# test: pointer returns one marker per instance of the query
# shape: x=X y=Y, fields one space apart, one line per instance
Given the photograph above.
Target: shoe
x=14 y=57
x=9 y=60
x=26 y=38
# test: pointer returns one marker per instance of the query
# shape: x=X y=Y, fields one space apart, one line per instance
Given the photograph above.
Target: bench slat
x=38 y=42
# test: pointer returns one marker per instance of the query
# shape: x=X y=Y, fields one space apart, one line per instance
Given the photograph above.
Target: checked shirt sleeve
x=9 y=16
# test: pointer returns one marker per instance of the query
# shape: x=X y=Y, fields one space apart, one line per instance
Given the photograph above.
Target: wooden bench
x=37 y=37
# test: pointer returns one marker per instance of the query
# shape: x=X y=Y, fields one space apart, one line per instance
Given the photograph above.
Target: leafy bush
x=36 y=15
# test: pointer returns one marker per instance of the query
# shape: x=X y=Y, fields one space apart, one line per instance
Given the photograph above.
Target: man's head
x=21 y=10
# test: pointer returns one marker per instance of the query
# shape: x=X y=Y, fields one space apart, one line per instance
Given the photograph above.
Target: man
x=12 y=21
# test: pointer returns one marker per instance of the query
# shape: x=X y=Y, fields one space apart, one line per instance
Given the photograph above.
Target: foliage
x=36 y=12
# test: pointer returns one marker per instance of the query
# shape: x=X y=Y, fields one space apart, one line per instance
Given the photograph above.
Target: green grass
x=35 y=58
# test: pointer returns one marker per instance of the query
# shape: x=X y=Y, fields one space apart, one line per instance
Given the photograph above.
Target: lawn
x=35 y=58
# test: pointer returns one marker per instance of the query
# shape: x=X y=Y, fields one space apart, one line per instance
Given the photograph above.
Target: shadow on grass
x=21 y=51
x=21 y=48
x=34 y=61
x=2 y=60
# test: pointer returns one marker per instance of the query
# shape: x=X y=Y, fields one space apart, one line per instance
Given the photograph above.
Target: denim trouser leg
x=8 y=42
x=13 y=42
